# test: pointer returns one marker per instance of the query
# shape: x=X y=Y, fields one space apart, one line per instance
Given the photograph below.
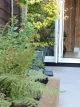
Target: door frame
x=59 y=37
x=55 y=57
x=61 y=59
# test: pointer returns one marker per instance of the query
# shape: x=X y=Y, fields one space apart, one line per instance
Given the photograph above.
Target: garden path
x=69 y=85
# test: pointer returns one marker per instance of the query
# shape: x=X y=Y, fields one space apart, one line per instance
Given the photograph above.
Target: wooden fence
x=72 y=24
x=5 y=11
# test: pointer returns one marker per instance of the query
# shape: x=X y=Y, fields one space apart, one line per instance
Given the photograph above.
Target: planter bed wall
x=51 y=99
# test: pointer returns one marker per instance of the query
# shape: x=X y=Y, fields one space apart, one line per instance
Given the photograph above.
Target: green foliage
x=36 y=75
x=21 y=88
x=38 y=62
x=22 y=3
x=43 y=15
x=4 y=103
x=18 y=83
x=16 y=62
x=16 y=59
x=16 y=50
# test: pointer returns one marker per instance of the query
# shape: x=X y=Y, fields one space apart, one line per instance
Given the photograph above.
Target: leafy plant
x=43 y=15
x=18 y=83
x=4 y=103
x=20 y=88
x=16 y=50
x=22 y=3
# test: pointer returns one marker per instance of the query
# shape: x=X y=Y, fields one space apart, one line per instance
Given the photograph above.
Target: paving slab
x=69 y=85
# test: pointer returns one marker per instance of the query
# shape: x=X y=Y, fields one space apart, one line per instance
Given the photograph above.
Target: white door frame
x=61 y=38
x=61 y=30
x=55 y=57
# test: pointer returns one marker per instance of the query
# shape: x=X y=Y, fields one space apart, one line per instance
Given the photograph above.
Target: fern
x=4 y=103
x=34 y=75
x=17 y=81
x=20 y=87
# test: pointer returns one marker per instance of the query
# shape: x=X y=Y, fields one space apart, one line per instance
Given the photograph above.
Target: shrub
x=16 y=50
x=18 y=83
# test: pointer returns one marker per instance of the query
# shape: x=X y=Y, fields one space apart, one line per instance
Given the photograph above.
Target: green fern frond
x=4 y=103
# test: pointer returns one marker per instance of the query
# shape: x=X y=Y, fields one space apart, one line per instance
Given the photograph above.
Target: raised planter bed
x=50 y=98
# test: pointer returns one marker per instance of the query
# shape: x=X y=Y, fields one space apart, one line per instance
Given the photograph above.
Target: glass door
x=50 y=53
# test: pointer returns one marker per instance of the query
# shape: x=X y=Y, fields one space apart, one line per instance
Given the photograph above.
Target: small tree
x=42 y=13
